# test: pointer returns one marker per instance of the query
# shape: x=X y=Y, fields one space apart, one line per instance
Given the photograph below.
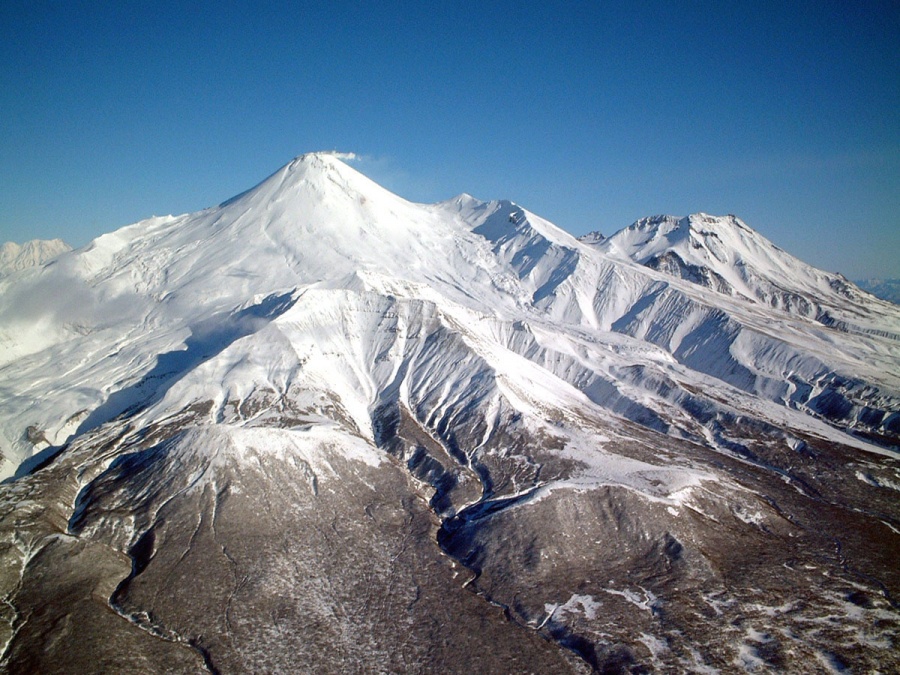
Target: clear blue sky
x=591 y=114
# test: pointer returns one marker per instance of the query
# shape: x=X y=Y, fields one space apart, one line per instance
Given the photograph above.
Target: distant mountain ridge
x=886 y=289
x=15 y=257
x=723 y=254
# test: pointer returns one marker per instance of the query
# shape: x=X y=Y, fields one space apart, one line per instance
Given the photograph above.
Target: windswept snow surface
x=320 y=322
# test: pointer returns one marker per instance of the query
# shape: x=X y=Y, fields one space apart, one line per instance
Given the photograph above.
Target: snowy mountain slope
x=319 y=356
x=723 y=253
x=514 y=262
x=15 y=257
x=781 y=355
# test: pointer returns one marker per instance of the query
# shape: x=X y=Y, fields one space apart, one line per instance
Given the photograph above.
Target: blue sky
x=591 y=114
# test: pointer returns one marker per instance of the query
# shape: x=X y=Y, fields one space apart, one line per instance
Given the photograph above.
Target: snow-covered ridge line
x=120 y=309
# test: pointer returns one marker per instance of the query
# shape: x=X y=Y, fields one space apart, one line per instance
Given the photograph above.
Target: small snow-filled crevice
x=647 y=603
x=139 y=555
x=29 y=550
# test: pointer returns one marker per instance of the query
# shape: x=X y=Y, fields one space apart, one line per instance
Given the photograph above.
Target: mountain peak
x=593 y=238
x=322 y=159
x=313 y=165
x=14 y=257
x=314 y=174
x=699 y=223
x=725 y=238
x=724 y=253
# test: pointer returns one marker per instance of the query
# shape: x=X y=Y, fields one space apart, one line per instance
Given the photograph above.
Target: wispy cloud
x=343 y=156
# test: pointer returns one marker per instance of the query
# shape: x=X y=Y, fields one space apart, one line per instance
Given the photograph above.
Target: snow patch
x=577 y=604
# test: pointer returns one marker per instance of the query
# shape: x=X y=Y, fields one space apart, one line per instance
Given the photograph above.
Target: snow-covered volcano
x=440 y=399
x=723 y=253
